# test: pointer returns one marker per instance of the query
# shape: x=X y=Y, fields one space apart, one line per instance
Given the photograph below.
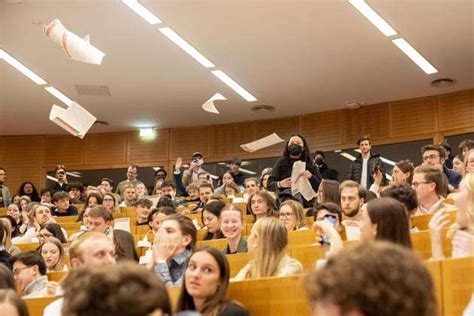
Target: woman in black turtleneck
x=280 y=180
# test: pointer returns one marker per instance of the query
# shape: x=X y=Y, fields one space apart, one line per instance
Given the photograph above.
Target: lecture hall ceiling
x=299 y=56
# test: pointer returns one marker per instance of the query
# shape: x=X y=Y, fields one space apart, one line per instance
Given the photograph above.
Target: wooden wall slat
x=415 y=116
x=106 y=147
x=456 y=110
x=351 y=126
x=322 y=129
x=376 y=121
x=227 y=138
x=65 y=150
x=140 y=150
x=185 y=141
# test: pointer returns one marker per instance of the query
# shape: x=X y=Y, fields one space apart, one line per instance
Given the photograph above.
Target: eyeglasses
x=430 y=157
x=17 y=271
x=286 y=215
x=416 y=184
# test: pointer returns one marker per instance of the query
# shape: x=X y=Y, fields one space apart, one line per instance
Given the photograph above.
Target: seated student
x=53 y=230
x=205 y=192
x=263 y=185
x=435 y=156
x=20 y=227
x=7 y=238
x=83 y=218
x=356 y=282
x=172 y=247
x=385 y=219
x=328 y=191
x=141 y=190
x=93 y=199
x=11 y=304
x=46 y=195
x=462 y=232
x=75 y=191
x=261 y=204
x=267 y=244
x=206 y=279
x=29 y=271
x=125 y=246
x=157 y=215
x=251 y=187
x=406 y=195
x=353 y=196
x=231 y=226
x=106 y=186
x=110 y=202
x=106 y=291
x=211 y=219
x=231 y=190
x=100 y=220
x=52 y=251
x=431 y=187
x=142 y=207
x=331 y=211
x=291 y=214
x=468 y=164
x=24 y=202
x=129 y=195
x=193 y=193
x=61 y=205
x=4 y=254
x=168 y=188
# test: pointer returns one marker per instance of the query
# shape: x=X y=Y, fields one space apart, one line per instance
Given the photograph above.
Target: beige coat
x=288 y=266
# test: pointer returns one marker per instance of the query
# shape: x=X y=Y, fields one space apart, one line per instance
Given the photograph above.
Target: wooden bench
x=237 y=261
x=457 y=284
x=57 y=275
x=421 y=221
x=36 y=306
x=65 y=219
x=421 y=242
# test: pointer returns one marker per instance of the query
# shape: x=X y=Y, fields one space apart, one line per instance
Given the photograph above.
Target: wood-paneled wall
x=29 y=157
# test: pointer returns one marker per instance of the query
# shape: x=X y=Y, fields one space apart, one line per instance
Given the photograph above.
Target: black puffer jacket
x=355 y=172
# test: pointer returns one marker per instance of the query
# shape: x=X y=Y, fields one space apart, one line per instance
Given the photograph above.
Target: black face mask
x=319 y=161
x=294 y=149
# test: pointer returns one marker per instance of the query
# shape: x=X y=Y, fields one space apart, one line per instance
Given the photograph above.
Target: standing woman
x=296 y=149
x=206 y=279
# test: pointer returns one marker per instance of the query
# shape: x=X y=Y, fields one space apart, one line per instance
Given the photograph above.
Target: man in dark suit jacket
x=61 y=185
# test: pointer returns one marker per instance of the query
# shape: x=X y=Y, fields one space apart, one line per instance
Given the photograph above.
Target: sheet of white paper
x=261 y=143
x=146 y=258
x=75 y=47
x=352 y=229
x=299 y=183
x=75 y=119
x=122 y=224
x=209 y=106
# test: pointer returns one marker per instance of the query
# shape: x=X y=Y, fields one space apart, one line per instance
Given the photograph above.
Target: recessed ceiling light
x=58 y=94
x=262 y=108
x=373 y=17
x=21 y=68
x=416 y=57
x=443 y=82
x=142 y=11
x=178 y=40
x=234 y=85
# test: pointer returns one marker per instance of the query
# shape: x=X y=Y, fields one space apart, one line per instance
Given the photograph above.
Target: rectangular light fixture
x=234 y=85
x=416 y=57
x=148 y=133
x=21 y=68
x=142 y=11
x=373 y=17
x=347 y=156
x=178 y=40
x=58 y=94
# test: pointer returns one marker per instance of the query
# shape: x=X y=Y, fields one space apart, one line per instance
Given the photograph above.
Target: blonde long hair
x=273 y=239
x=59 y=266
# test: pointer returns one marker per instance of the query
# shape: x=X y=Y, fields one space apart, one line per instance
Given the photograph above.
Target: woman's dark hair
x=97 y=196
x=266 y=171
x=125 y=246
x=305 y=155
x=391 y=220
x=215 y=208
x=404 y=194
x=9 y=296
x=7 y=281
x=34 y=196
x=56 y=231
x=215 y=302
x=406 y=166
x=330 y=190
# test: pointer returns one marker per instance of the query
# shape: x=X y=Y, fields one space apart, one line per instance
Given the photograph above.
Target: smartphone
x=376 y=169
x=332 y=220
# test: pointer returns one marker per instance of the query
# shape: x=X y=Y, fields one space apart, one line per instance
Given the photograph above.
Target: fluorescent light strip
x=234 y=85
x=373 y=17
x=347 y=156
x=21 y=68
x=142 y=11
x=178 y=40
x=416 y=57
x=58 y=94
